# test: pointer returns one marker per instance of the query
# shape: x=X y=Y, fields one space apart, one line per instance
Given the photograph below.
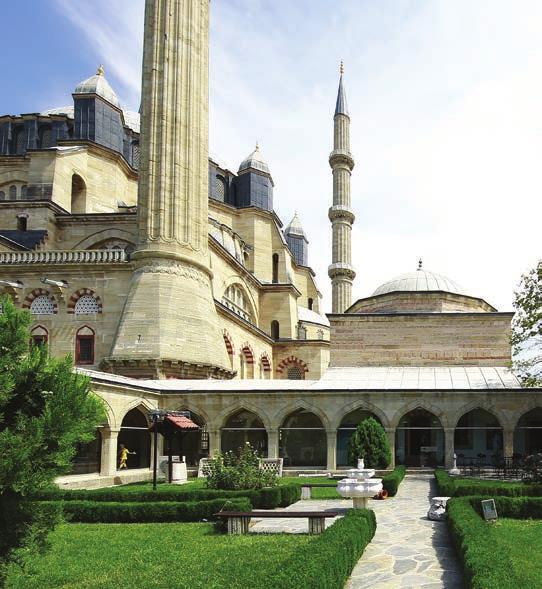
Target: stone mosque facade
x=174 y=285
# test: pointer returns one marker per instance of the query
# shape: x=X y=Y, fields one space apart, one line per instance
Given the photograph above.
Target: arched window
x=247 y=363
x=301 y=332
x=45 y=137
x=528 y=433
x=303 y=440
x=244 y=427
x=13 y=192
x=78 y=195
x=2 y=195
x=20 y=141
x=311 y=303
x=23 y=191
x=86 y=305
x=220 y=189
x=39 y=336
x=275 y=329
x=478 y=436
x=265 y=366
x=296 y=373
x=419 y=439
x=292 y=368
x=275 y=268
x=235 y=299
x=320 y=334
x=22 y=222
x=348 y=426
x=135 y=437
x=84 y=346
x=136 y=154
x=229 y=346
x=43 y=305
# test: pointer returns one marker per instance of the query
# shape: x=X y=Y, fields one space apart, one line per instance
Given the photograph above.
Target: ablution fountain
x=360 y=485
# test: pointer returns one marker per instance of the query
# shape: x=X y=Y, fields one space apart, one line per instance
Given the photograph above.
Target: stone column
x=171 y=259
x=273 y=443
x=508 y=441
x=449 y=433
x=331 y=449
x=390 y=432
x=214 y=442
x=108 y=463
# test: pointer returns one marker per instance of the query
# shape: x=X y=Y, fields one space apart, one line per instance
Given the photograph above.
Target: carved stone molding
x=173 y=267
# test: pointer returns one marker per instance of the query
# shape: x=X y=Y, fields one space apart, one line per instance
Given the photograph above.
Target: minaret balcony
x=341 y=270
x=341 y=157
x=341 y=212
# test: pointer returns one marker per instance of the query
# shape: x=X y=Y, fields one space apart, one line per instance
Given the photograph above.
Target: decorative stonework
x=80 y=293
x=248 y=353
x=40 y=292
x=173 y=267
x=265 y=362
x=288 y=362
x=229 y=343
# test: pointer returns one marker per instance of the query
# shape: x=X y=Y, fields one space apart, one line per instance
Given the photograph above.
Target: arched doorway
x=302 y=440
x=347 y=427
x=419 y=439
x=88 y=456
x=192 y=444
x=528 y=433
x=241 y=428
x=478 y=436
x=134 y=434
x=78 y=195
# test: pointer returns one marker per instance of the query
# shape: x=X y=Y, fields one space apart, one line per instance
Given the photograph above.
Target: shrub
x=328 y=560
x=513 y=507
x=460 y=487
x=369 y=442
x=136 y=512
x=238 y=471
x=533 y=468
x=392 y=481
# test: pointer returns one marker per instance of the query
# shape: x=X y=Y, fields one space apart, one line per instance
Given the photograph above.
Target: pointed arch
x=93 y=241
x=302 y=404
x=364 y=406
x=286 y=367
x=236 y=406
x=228 y=341
x=34 y=298
x=238 y=298
x=265 y=365
x=487 y=406
x=137 y=404
x=83 y=292
x=303 y=438
x=420 y=404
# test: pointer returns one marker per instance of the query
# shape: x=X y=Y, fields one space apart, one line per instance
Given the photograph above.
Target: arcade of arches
x=303 y=440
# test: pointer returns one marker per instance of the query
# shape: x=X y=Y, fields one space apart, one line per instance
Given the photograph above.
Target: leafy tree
x=369 y=442
x=45 y=410
x=527 y=329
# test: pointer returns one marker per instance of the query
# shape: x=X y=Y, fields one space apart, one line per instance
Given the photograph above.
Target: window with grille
x=296 y=373
x=42 y=305
x=84 y=346
x=86 y=305
x=20 y=143
x=39 y=336
x=235 y=299
x=220 y=188
x=136 y=155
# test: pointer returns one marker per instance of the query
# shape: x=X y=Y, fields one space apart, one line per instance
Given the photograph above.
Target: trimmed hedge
x=327 y=561
x=266 y=498
x=513 y=507
x=392 y=481
x=123 y=512
x=463 y=487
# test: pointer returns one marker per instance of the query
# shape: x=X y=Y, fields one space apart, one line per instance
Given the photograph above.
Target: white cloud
x=446 y=122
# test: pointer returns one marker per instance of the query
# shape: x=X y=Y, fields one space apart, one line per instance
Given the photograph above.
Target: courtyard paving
x=408 y=550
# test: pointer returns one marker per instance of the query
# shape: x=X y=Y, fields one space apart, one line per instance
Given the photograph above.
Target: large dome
x=419 y=280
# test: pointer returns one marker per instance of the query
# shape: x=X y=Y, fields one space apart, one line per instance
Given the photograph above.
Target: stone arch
x=228 y=341
x=78 y=294
x=109 y=413
x=235 y=433
x=90 y=241
x=78 y=194
x=302 y=404
x=134 y=435
x=136 y=404
x=233 y=408
x=290 y=361
x=365 y=406
x=39 y=292
x=528 y=431
x=194 y=444
x=238 y=282
x=302 y=443
x=248 y=351
x=420 y=404
x=526 y=408
x=487 y=406
x=265 y=363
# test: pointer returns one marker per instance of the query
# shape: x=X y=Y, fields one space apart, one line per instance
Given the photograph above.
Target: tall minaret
x=169 y=325
x=340 y=214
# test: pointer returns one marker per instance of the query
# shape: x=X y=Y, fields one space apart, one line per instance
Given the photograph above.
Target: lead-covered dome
x=419 y=280
x=254 y=161
x=97 y=84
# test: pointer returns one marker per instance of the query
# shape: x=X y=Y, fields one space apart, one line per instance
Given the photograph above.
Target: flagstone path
x=408 y=550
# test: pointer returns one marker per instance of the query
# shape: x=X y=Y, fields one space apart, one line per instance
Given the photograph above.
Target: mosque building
x=174 y=285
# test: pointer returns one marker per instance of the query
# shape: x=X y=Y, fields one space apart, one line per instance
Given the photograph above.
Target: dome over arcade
x=419 y=280
x=98 y=84
x=254 y=161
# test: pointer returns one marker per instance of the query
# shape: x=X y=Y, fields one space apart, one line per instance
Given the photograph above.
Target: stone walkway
x=408 y=550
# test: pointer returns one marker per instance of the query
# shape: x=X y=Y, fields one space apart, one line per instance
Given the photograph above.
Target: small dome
x=255 y=161
x=295 y=228
x=97 y=84
x=419 y=280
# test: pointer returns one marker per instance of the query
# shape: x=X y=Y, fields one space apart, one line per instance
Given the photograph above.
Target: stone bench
x=306 y=489
x=238 y=521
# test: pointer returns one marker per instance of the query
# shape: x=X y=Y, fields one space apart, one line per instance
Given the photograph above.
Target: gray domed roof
x=419 y=280
x=97 y=84
x=294 y=227
x=255 y=161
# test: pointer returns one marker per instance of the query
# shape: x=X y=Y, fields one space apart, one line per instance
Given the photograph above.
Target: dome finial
x=420 y=264
x=257 y=146
x=101 y=71
x=341 y=68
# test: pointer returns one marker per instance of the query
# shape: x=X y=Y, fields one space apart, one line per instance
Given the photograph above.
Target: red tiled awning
x=182 y=422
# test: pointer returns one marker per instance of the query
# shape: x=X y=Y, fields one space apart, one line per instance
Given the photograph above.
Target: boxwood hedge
x=327 y=561
x=145 y=512
x=392 y=481
x=463 y=487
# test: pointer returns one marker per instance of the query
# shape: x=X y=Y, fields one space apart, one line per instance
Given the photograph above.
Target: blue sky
x=445 y=99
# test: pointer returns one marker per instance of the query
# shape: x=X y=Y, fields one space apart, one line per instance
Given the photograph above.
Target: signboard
x=489 y=510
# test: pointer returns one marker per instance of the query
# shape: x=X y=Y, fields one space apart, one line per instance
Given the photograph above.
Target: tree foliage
x=369 y=442
x=45 y=410
x=527 y=329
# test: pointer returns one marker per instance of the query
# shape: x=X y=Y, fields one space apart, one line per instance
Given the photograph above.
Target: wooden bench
x=306 y=489
x=238 y=521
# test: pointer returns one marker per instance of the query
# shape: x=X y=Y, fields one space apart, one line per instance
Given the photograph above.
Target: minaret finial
x=341 y=68
x=420 y=264
x=257 y=146
x=101 y=71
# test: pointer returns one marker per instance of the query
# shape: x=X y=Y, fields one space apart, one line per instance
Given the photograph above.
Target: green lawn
x=522 y=540
x=165 y=556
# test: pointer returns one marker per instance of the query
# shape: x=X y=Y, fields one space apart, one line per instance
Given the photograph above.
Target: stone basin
x=361 y=473
x=358 y=488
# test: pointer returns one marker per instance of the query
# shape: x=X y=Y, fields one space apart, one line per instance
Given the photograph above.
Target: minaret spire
x=169 y=325
x=341 y=215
